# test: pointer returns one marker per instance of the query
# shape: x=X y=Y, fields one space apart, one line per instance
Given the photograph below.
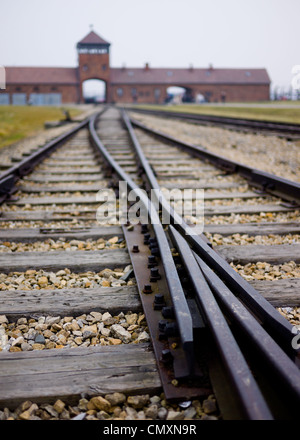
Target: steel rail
x=252 y=124
x=182 y=312
x=267 y=182
x=10 y=176
x=242 y=380
x=250 y=398
x=288 y=374
x=273 y=322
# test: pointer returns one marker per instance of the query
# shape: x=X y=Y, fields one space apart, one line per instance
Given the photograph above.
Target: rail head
x=267 y=182
x=278 y=327
x=181 y=308
x=281 y=128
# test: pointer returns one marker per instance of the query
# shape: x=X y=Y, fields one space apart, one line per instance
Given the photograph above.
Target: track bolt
x=159 y=301
x=146 y=238
x=159 y=298
x=166 y=356
x=162 y=325
x=147 y=288
x=155 y=252
x=154 y=274
x=168 y=312
x=152 y=261
x=135 y=248
x=171 y=329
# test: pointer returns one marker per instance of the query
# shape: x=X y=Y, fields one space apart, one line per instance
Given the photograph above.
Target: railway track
x=98 y=319
x=280 y=129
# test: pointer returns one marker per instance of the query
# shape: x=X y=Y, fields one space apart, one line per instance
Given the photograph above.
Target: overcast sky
x=165 y=33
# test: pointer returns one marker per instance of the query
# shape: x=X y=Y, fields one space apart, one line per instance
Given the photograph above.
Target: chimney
x=124 y=67
x=210 y=67
x=191 y=68
x=147 y=67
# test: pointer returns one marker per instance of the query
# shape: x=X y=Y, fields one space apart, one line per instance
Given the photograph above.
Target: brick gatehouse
x=57 y=85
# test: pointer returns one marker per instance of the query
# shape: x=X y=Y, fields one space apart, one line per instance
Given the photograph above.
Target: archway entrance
x=94 y=91
x=174 y=94
x=177 y=95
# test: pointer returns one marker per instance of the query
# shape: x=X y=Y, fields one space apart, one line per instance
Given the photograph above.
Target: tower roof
x=92 y=39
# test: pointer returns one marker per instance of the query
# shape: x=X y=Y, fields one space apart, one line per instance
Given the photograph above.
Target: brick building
x=56 y=85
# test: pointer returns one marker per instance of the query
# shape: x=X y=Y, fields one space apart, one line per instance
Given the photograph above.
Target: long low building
x=57 y=85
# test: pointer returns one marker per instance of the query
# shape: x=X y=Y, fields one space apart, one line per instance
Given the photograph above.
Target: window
x=120 y=91
x=93 y=50
x=156 y=93
x=208 y=96
x=104 y=67
x=4 y=98
x=130 y=73
x=85 y=67
x=169 y=73
x=45 y=99
x=19 y=99
x=133 y=91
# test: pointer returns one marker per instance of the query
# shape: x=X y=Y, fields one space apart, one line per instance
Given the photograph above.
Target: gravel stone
x=209 y=406
x=143 y=337
x=119 y=332
x=115 y=399
x=99 y=403
x=3 y=319
x=138 y=402
x=39 y=339
x=162 y=413
x=152 y=412
x=174 y=415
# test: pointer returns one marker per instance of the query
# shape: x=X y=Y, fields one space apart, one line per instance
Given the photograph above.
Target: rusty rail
x=249 y=395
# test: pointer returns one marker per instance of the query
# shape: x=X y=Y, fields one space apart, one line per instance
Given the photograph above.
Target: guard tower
x=93 y=61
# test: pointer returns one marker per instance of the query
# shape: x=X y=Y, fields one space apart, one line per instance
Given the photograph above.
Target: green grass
x=291 y=115
x=18 y=122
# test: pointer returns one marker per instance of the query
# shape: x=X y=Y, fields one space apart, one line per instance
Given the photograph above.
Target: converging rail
x=283 y=129
x=278 y=360
x=102 y=310
x=266 y=182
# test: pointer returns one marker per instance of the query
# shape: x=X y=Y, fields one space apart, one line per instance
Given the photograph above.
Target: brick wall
x=69 y=93
x=149 y=94
x=152 y=94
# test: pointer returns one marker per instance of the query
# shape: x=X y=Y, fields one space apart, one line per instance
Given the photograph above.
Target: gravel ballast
x=55 y=332
x=116 y=406
x=268 y=153
x=63 y=245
